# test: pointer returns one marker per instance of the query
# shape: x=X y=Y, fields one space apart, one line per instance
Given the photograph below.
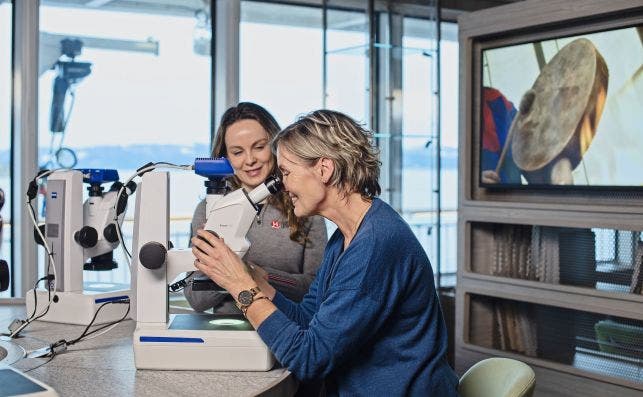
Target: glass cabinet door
x=384 y=74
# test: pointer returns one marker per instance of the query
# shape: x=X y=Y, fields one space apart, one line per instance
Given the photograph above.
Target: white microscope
x=76 y=234
x=192 y=341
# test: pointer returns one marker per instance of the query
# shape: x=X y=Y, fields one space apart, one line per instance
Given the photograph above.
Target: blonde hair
x=336 y=136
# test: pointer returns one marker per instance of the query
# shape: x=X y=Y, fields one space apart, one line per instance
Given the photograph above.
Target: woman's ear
x=326 y=169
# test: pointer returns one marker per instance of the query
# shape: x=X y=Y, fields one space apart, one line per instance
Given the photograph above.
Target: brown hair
x=334 y=135
x=252 y=111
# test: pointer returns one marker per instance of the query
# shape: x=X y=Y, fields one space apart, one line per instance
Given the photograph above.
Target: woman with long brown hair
x=289 y=249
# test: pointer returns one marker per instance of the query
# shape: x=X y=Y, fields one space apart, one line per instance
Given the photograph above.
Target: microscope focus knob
x=110 y=233
x=87 y=237
x=4 y=275
x=152 y=255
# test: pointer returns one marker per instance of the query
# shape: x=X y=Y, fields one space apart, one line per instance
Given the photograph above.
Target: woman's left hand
x=217 y=261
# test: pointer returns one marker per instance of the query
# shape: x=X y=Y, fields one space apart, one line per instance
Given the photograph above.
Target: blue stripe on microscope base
x=113 y=298
x=170 y=339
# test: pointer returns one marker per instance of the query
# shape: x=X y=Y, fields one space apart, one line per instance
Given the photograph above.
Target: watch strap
x=244 y=308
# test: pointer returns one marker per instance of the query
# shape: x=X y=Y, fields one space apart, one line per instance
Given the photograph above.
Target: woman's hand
x=217 y=261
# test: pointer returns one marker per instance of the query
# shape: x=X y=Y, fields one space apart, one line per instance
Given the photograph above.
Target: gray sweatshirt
x=291 y=266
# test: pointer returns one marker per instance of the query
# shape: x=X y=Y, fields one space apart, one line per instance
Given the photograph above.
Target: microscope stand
x=79 y=307
x=201 y=342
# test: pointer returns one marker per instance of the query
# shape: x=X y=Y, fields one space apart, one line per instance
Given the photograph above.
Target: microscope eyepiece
x=274 y=184
x=217 y=186
x=95 y=190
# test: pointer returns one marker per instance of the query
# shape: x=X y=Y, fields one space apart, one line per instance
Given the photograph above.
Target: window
x=420 y=167
x=419 y=130
x=347 y=64
x=5 y=131
x=121 y=87
x=281 y=59
x=449 y=67
x=281 y=68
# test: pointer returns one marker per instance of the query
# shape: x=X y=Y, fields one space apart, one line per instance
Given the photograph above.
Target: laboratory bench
x=104 y=365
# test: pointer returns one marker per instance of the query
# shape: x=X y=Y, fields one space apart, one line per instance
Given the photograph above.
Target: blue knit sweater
x=371 y=323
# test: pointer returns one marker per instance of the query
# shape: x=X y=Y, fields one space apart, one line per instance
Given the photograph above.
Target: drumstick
x=505 y=148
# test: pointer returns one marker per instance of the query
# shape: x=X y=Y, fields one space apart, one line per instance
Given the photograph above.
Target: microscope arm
x=179 y=261
x=155 y=266
x=230 y=218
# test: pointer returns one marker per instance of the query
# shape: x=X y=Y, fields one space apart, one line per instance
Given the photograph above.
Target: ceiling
x=450 y=8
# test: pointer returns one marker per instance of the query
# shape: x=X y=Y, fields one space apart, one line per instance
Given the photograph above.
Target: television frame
x=491 y=46
x=564 y=20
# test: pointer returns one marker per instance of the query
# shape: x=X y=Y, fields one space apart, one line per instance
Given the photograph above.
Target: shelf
x=556 y=258
x=555 y=295
x=598 y=343
x=546 y=275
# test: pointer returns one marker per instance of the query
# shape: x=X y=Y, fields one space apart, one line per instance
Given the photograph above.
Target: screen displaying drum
x=563 y=111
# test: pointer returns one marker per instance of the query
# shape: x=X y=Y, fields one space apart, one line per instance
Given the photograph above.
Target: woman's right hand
x=217 y=261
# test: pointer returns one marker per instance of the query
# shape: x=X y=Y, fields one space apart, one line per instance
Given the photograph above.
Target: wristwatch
x=246 y=297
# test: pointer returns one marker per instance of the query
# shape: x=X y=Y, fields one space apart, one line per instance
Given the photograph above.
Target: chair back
x=498 y=377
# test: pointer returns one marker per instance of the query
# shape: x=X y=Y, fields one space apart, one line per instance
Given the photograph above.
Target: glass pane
x=449 y=66
x=419 y=132
x=607 y=345
x=5 y=133
x=120 y=87
x=281 y=58
x=596 y=258
x=348 y=64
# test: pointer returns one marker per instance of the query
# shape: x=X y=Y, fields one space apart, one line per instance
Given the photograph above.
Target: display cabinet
x=549 y=257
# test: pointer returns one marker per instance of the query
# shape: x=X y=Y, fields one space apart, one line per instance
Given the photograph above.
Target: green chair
x=498 y=377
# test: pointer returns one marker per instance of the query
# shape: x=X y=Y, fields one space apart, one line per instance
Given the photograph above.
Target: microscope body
x=75 y=234
x=99 y=213
x=159 y=343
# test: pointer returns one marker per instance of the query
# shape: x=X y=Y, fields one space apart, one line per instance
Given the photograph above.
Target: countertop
x=104 y=366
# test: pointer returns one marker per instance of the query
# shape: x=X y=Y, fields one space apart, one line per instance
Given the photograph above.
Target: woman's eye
x=236 y=153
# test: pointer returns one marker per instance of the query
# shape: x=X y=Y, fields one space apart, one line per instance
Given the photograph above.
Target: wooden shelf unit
x=480 y=210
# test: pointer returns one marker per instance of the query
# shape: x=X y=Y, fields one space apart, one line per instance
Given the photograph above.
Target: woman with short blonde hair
x=371 y=323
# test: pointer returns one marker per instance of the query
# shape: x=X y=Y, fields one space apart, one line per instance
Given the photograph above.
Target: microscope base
x=164 y=348
x=79 y=307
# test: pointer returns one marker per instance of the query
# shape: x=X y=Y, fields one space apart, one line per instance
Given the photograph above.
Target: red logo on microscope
x=276 y=224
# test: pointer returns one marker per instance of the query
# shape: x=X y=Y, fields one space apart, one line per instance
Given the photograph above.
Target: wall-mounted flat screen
x=566 y=111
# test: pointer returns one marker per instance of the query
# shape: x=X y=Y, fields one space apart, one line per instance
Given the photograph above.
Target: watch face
x=245 y=297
